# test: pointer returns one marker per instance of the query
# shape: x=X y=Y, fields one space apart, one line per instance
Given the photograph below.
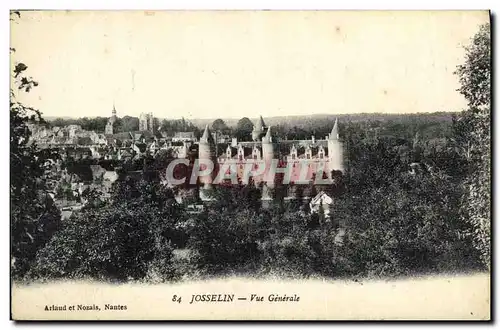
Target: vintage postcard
x=250 y=165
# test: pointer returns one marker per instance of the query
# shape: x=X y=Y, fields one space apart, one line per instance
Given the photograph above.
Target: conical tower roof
x=334 y=135
x=207 y=136
x=267 y=138
x=259 y=124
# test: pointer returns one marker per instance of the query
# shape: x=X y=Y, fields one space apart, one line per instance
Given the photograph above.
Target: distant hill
x=318 y=119
x=52 y=118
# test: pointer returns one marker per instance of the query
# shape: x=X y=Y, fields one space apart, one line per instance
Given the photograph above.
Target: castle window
x=321 y=155
x=241 y=157
x=308 y=156
x=293 y=156
x=255 y=157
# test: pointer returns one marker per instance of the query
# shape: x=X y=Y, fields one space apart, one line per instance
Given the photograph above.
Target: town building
x=184 y=137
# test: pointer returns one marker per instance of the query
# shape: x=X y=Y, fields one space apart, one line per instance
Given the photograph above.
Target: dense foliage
x=130 y=237
x=473 y=137
x=397 y=214
x=126 y=124
x=178 y=125
x=33 y=215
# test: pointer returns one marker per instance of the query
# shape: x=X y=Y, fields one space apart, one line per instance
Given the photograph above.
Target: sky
x=231 y=64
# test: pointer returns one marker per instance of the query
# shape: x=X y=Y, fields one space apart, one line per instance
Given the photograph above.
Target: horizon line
x=304 y=115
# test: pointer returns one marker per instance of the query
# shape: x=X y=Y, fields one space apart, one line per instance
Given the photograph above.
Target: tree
x=219 y=126
x=475 y=73
x=127 y=124
x=169 y=127
x=133 y=236
x=97 y=124
x=244 y=129
x=473 y=137
x=321 y=213
x=226 y=240
x=237 y=197
x=34 y=217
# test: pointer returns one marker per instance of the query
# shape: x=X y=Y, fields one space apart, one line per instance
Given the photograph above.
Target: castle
x=301 y=158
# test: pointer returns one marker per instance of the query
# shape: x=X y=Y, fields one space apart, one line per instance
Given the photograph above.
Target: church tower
x=113 y=113
x=146 y=122
x=151 y=122
x=335 y=151
x=206 y=153
x=109 y=129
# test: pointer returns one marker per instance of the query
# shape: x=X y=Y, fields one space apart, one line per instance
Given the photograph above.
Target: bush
x=224 y=241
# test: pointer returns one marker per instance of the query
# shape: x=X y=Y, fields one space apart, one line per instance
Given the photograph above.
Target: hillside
x=320 y=119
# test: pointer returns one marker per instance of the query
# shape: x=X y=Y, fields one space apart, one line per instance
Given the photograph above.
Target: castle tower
x=267 y=157
x=258 y=129
x=267 y=147
x=335 y=151
x=206 y=152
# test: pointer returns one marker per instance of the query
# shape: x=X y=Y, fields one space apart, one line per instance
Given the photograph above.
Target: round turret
x=335 y=150
x=206 y=153
x=267 y=147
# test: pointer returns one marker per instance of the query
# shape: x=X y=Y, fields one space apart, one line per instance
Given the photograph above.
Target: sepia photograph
x=250 y=165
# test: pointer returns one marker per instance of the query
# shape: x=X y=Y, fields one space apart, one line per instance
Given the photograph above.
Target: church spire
x=334 y=135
